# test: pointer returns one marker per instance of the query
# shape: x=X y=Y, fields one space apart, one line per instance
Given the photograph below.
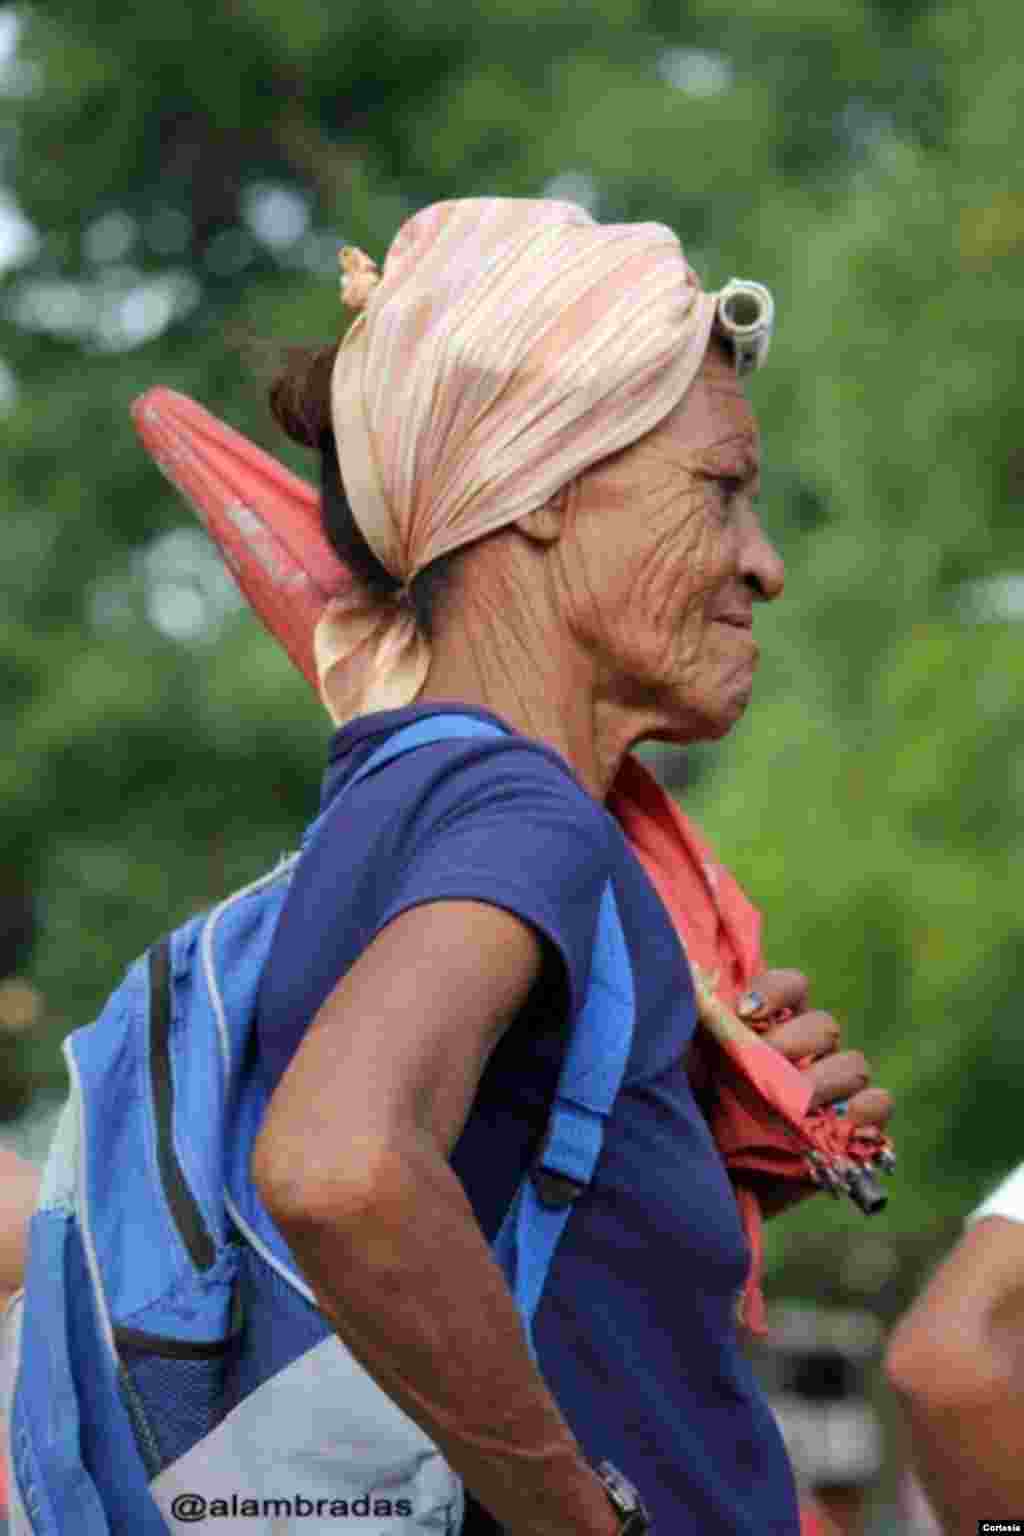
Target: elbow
x=906 y=1364
x=308 y=1190
x=938 y=1371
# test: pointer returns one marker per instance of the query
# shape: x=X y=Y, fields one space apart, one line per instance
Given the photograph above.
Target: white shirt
x=1006 y=1200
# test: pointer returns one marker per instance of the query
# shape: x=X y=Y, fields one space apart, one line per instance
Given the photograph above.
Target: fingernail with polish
x=751 y=1002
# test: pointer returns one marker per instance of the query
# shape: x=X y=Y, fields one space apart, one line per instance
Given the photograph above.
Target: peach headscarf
x=507 y=346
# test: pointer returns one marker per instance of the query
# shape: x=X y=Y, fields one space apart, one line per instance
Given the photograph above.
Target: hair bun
x=300 y=397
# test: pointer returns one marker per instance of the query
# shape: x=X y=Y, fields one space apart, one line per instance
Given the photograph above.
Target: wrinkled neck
x=503 y=646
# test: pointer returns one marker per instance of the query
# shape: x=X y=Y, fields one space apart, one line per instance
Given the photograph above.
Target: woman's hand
x=811 y=1038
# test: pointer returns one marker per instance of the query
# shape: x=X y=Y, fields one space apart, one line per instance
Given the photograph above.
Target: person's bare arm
x=19 y=1191
x=352 y=1162
x=956 y=1361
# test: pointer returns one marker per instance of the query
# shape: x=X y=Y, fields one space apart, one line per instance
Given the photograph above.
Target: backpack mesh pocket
x=176 y=1391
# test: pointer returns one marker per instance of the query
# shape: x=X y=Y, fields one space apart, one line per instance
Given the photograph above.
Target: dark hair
x=300 y=402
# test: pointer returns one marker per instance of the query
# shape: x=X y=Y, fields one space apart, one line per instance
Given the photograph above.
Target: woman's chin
x=705 y=729
x=689 y=720
x=718 y=721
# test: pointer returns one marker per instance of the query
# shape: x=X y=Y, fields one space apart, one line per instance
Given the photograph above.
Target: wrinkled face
x=666 y=559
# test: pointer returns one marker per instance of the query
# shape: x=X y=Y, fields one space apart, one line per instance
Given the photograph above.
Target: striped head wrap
x=506 y=346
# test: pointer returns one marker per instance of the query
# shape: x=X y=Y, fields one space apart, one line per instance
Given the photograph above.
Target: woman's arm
x=352 y=1162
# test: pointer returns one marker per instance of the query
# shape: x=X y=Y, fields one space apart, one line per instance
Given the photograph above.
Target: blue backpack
x=169 y=1362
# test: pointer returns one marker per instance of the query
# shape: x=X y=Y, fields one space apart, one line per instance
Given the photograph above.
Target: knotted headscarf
x=506 y=346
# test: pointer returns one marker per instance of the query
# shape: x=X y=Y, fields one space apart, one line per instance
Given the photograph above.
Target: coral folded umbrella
x=266 y=523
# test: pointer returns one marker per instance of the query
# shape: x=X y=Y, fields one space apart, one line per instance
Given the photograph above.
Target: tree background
x=176 y=178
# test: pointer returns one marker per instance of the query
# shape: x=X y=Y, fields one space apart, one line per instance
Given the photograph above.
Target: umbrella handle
x=854 y=1178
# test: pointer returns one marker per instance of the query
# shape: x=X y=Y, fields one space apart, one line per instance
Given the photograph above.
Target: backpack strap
x=422 y=733
x=589 y=1081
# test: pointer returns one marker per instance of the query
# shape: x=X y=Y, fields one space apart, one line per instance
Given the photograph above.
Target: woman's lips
x=743 y=624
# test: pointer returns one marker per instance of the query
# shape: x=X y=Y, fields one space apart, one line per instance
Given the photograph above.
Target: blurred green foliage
x=190 y=170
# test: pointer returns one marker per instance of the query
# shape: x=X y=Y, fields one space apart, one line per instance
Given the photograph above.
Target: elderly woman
x=537 y=456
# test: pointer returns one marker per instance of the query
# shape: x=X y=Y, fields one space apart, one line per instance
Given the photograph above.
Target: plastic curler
x=745 y=317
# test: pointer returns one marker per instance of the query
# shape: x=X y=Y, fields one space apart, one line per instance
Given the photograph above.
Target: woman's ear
x=544 y=525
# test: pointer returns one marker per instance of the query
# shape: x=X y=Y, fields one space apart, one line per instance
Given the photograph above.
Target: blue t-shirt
x=634 y=1332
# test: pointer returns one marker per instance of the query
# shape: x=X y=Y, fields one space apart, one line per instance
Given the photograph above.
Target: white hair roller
x=745 y=317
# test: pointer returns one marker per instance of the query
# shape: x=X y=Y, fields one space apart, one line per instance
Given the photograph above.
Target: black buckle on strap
x=555 y=1190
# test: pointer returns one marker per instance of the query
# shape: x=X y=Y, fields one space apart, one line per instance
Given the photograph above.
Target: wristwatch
x=624 y=1499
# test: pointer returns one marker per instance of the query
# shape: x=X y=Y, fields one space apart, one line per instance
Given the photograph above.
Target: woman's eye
x=730 y=486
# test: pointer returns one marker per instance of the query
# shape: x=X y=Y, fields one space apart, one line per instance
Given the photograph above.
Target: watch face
x=624 y=1499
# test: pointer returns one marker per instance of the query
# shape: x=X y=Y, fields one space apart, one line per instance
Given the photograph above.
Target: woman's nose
x=762 y=566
